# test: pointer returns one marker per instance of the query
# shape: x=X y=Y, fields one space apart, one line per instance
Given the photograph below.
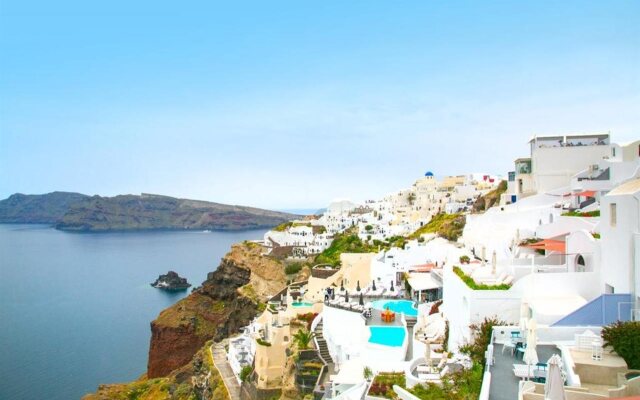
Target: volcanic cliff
x=228 y=300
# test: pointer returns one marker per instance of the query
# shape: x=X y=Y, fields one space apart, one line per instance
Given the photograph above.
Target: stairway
x=321 y=343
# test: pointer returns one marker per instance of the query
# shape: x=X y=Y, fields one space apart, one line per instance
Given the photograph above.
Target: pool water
x=399 y=306
x=387 y=335
x=301 y=304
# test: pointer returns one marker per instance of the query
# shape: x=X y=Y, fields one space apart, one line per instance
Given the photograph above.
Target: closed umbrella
x=530 y=356
x=358 y=286
x=361 y=301
x=554 y=385
x=346 y=296
x=494 y=262
x=524 y=317
x=374 y=286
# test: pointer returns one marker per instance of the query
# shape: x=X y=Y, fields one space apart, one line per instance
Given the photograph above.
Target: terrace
x=590 y=371
x=504 y=383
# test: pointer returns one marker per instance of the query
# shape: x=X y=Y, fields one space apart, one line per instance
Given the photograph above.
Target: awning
x=422 y=267
x=586 y=193
x=422 y=281
x=549 y=245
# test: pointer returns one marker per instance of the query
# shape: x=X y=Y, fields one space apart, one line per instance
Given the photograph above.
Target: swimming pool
x=301 y=304
x=387 y=335
x=398 y=306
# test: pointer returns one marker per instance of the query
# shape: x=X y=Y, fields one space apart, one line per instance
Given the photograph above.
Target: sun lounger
x=424 y=369
x=523 y=371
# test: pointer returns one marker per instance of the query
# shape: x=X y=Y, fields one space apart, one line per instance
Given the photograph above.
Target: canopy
x=586 y=193
x=549 y=245
x=422 y=281
x=423 y=267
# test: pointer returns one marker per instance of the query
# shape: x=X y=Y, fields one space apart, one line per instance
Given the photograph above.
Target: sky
x=293 y=104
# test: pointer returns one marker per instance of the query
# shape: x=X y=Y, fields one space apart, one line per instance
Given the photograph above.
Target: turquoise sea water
x=387 y=335
x=75 y=308
x=400 y=306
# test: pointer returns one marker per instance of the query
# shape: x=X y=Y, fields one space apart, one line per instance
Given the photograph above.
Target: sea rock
x=171 y=281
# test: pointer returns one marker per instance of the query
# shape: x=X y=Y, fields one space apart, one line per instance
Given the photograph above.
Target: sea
x=75 y=308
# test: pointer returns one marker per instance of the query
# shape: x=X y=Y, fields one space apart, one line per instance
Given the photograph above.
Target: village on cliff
x=500 y=289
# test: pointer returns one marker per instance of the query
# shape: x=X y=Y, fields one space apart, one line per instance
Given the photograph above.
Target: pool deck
x=376 y=319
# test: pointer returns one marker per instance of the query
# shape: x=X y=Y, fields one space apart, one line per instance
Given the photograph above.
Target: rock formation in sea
x=171 y=281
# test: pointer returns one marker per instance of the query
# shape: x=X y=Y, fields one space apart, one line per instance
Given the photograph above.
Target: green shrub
x=478 y=286
x=480 y=339
x=382 y=385
x=587 y=214
x=624 y=338
x=263 y=342
x=245 y=373
x=368 y=228
x=292 y=268
x=464 y=259
x=283 y=226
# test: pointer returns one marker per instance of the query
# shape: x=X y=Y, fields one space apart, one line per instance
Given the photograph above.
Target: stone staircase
x=321 y=343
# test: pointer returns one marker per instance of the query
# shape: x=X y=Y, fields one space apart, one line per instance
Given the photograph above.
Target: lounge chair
x=434 y=377
x=508 y=280
x=510 y=345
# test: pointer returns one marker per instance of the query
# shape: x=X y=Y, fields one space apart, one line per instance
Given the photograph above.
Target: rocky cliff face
x=227 y=301
x=180 y=364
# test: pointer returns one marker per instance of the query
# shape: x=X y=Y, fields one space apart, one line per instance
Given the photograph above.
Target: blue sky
x=293 y=104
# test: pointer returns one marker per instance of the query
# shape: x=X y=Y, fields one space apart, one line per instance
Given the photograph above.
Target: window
x=613 y=217
x=613 y=152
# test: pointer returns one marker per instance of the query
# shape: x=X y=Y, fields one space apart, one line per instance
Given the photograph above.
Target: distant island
x=78 y=212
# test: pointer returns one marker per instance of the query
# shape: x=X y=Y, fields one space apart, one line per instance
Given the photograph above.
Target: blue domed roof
x=429 y=173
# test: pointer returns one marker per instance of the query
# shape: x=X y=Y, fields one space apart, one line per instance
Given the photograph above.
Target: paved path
x=222 y=365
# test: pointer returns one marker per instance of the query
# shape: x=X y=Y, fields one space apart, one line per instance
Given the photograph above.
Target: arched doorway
x=581 y=265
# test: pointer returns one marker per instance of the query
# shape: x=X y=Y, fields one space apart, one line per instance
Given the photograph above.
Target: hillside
x=490 y=199
x=37 y=209
x=77 y=212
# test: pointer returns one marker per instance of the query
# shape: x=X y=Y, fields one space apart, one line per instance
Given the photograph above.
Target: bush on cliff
x=346 y=242
x=448 y=226
x=292 y=269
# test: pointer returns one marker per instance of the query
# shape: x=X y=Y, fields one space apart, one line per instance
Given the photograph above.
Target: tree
x=624 y=337
x=302 y=338
x=367 y=373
